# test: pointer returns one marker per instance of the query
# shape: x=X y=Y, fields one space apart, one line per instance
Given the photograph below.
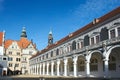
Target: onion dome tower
x=23 y=34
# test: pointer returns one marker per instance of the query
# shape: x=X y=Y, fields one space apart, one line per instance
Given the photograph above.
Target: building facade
x=3 y=58
x=92 y=51
x=18 y=53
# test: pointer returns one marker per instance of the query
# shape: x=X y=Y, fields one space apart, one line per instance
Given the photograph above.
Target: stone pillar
x=105 y=67
x=35 y=69
x=75 y=65
x=52 y=67
x=58 y=66
x=65 y=66
x=47 y=68
x=87 y=68
x=43 y=68
x=40 y=68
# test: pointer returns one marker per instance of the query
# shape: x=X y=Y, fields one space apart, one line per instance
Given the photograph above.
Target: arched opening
x=61 y=67
x=81 y=66
x=96 y=64
x=70 y=67
x=49 y=69
x=55 y=68
x=114 y=62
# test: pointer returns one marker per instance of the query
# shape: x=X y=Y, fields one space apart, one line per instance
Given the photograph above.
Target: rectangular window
x=51 y=53
x=97 y=39
x=16 y=65
x=10 y=52
x=81 y=44
x=112 y=33
x=118 y=31
x=18 y=53
x=10 y=58
x=4 y=59
x=92 y=40
x=10 y=64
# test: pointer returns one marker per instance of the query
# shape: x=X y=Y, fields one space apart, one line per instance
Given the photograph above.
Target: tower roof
x=23 y=34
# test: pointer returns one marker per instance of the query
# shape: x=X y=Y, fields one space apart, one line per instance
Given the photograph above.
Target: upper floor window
x=10 y=64
x=118 y=31
x=112 y=33
x=57 y=52
x=17 y=59
x=4 y=59
x=10 y=52
x=81 y=44
x=47 y=55
x=51 y=53
x=30 y=52
x=97 y=38
x=92 y=41
x=73 y=45
x=18 y=53
x=16 y=65
x=10 y=58
x=24 y=59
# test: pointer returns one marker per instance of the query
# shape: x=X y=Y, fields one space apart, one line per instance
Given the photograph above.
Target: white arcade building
x=92 y=51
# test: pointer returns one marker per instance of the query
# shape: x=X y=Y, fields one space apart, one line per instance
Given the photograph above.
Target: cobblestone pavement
x=37 y=77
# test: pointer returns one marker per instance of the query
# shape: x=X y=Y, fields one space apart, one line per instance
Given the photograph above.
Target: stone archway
x=96 y=64
x=61 y=67
x=114 y=61
x=70 y=67
x=81 y=66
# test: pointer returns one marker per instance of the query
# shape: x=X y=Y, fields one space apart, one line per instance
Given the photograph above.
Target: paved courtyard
x=36 y=77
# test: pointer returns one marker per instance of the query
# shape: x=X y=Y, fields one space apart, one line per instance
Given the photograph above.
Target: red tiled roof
x=1 y=38
x=8 y=43
x=22 y=43
x=88 y=26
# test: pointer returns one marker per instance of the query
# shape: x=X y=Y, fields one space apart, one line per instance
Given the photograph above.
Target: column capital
x=58 y=61
x=75 y=58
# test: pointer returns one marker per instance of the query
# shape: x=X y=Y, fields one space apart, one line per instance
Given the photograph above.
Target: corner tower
x=50 y=38
x=23 y=34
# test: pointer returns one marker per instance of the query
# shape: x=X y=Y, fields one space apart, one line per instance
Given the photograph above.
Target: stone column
x=87 y=68
x=40 y=68
x=75 y=65
x=65 y=66
x=43 y=68
x=105 y=67
x=58 y=66
x=48 y=68
x=35 y=69
x=52 y=67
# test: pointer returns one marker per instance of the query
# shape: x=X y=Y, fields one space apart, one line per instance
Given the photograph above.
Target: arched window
x=73 y=45
x=112 y=63
x=93 y=64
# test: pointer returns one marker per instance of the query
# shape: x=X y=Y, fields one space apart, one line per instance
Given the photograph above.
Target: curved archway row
x=91 y=64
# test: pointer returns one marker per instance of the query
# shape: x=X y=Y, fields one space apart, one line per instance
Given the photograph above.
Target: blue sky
x=39 y=16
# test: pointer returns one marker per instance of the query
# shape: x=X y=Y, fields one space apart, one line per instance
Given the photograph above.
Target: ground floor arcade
x=96 y=63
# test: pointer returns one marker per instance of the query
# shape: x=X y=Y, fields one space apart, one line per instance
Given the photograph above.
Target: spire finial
x=50 y=38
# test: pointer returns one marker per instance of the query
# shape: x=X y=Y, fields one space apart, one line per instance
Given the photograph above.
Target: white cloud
x=95 y=8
